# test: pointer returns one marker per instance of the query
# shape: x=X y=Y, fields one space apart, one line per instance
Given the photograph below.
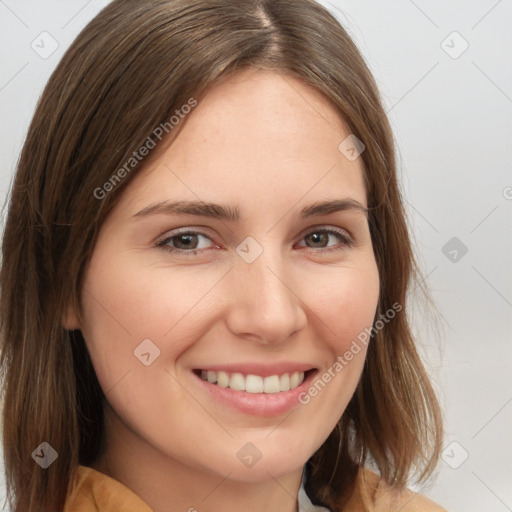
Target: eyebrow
x=233 y=214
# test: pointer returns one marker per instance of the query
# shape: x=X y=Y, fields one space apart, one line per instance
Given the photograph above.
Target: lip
x=257 y=404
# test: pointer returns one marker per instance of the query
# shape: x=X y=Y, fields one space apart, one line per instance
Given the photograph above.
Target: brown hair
x=125 y=74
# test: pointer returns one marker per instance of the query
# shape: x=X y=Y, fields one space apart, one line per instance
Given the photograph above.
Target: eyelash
x=346 y=241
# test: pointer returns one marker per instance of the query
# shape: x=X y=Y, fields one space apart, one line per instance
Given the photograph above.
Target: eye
x=184 y=242
x=188 y=242
x=320 y=237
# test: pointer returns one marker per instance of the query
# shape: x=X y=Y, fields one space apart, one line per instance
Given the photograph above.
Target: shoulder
x=373 y=494
x=93 y=491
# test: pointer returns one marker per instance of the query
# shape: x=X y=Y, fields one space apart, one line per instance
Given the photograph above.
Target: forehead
x=260 y=136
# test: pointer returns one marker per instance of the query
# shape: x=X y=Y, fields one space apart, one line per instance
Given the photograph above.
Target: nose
x=265 y=304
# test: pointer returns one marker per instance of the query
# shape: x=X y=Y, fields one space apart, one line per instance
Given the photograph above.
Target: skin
x=266 y=143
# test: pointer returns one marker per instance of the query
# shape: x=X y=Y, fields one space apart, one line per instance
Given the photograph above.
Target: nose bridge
x=265 y=304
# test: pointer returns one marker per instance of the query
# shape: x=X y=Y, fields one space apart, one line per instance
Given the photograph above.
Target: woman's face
x=256 y=287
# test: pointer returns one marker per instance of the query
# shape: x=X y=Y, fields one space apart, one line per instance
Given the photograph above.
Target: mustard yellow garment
x=93 y=491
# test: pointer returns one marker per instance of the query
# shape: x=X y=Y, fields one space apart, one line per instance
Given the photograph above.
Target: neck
x=167 y=485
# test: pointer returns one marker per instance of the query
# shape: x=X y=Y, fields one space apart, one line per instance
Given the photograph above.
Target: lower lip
x=258 y=404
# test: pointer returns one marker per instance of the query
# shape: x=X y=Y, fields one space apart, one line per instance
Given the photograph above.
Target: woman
x=205 y=267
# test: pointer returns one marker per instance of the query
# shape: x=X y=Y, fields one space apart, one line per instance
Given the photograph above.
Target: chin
x=262 y=470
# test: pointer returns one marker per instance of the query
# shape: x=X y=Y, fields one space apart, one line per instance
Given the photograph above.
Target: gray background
x=451 y=111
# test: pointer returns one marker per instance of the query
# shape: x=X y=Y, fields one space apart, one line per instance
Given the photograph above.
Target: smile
x=254 y=383
x=256 y=389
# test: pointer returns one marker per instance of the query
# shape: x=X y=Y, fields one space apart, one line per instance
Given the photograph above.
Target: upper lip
x=263 y=370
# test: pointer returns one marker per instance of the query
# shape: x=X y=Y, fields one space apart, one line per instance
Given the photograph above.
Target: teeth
x=285 y=382
x=237 y=382
x=272 y=384
x=223 y=379
x=254 y=383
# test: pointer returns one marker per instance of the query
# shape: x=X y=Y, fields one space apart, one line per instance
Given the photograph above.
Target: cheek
x=124 y=306
x=345 y=303
x=342 y=309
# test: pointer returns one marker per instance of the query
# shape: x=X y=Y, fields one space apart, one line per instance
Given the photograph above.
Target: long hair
x=126 y=73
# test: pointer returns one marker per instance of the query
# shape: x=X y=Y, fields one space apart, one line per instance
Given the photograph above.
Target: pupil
x=318 y=237
x=187 y=238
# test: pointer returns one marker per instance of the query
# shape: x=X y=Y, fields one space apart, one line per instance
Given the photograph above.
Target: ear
x=70 y=319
